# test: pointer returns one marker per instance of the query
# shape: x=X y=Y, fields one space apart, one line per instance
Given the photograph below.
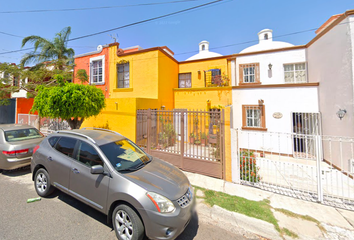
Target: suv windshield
x=22 y=134
x=124 y=155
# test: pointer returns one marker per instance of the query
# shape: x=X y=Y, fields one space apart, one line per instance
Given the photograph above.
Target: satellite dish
x=99 y=48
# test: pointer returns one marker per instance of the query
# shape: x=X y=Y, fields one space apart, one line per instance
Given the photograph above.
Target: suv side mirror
x=97 y=169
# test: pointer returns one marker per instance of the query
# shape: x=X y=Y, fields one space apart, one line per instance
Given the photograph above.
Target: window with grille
x=253 y=117
x=295 y=73
x=249 y=73
x=123 y=75
x=185 y=80
x=97 y=70
x=16 y=82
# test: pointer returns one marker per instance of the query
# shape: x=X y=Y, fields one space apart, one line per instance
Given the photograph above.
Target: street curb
x=224 y=219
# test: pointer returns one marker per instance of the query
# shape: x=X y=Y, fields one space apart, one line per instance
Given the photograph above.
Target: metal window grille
x=249 y=74
x=123 y=75
x=213 y=78
x=253 y=116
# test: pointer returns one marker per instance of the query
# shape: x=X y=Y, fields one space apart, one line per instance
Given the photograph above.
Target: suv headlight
x=162 y=204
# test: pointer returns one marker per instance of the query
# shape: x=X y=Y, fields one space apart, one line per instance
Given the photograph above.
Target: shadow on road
x=89 y=211
x=17 y=172
x=191 y=230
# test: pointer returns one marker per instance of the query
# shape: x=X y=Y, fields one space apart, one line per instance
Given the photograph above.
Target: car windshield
x=124 y=155
x=22 y=134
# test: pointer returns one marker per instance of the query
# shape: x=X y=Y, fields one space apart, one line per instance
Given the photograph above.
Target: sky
x=229 y=25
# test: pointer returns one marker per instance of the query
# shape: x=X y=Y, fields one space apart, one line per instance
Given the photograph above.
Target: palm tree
x=55 y=51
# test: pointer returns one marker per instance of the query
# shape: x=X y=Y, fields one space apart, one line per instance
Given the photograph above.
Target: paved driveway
x=63 y=217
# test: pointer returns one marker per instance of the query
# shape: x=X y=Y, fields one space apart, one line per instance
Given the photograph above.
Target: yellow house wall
x=119 y=114
x=143 y=70
x=197 y=98
x=198 y=79
x=168 y=80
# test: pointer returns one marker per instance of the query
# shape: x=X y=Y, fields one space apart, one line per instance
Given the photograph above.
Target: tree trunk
x=75 y=123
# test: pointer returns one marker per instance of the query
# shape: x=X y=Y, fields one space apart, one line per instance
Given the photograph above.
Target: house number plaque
x=277 y=115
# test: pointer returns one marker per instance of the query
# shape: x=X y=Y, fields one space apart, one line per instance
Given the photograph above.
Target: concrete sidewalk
x=334 y=223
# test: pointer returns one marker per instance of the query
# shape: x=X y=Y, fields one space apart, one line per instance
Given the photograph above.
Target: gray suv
x=140 y=194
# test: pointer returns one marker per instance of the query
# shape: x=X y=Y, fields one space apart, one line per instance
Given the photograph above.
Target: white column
x=233 y=72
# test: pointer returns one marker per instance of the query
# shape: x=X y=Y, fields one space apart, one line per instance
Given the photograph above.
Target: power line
x=9 y=34
x=131 y=24
x=93 y=8
x=148 y=20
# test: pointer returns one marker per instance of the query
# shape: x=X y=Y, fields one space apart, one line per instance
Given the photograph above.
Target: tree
x=69 y=101
x=16 y=78
x=55 y=51
x=52 y=58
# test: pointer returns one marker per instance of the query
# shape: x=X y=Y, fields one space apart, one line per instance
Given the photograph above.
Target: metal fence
x=45 y=125
x=273 y=161
x=29 y=119
x=191 y=140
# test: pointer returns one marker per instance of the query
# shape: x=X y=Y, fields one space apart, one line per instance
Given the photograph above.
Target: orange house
x=96 y=64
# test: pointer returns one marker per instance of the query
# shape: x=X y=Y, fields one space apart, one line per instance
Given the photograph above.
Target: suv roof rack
x=102 y=129
x=76 y=133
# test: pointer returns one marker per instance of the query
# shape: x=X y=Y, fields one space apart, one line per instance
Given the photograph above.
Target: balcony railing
x=213 y=78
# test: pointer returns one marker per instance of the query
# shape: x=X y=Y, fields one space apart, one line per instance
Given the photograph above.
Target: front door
x=90 y=188
x=305 y=128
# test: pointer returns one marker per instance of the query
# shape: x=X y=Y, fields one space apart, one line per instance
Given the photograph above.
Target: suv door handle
x=75 y=170
x=49 y=159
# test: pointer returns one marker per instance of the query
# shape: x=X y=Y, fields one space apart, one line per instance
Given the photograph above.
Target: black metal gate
x=8 y=112
x=191 y=140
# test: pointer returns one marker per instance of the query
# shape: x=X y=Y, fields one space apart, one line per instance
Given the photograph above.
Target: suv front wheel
x=127 y=224
x=42 y=183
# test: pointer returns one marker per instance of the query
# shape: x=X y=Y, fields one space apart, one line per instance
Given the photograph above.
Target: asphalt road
x=63 y=217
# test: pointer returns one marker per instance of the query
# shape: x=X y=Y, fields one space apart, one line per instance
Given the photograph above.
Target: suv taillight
x=13 y=153
x=35 y=149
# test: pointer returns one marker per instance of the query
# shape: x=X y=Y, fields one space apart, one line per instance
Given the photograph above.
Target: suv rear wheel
x=42 y=183
x=127 y=224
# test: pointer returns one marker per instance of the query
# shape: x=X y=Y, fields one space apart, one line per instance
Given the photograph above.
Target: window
x=22 y=134
x=185 y=80
x=266 y=36
x=6 y=75
x=253 y=117
x=295 y=73
x=53 y=140
x=97 y=70
x=123 y=75
x=15 y=82
x=88 y=155
x=249 y=73
x=66 y=146
x=124 y=155
x=203 y=47
x=213 y=78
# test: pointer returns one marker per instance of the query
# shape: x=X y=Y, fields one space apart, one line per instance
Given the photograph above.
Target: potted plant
x=191 y=138
x=213 y=138
x=203 y=137
x=197 y=142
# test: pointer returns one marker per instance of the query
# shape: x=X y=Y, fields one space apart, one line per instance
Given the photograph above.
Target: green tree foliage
x=81 y=74
x=55 y=51
x=70 y=102
x=16 y=77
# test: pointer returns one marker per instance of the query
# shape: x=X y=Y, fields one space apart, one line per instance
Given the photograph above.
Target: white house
x=297 y=102
x=272 y=93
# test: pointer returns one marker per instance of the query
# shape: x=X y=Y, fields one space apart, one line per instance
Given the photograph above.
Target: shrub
x=248 y=167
